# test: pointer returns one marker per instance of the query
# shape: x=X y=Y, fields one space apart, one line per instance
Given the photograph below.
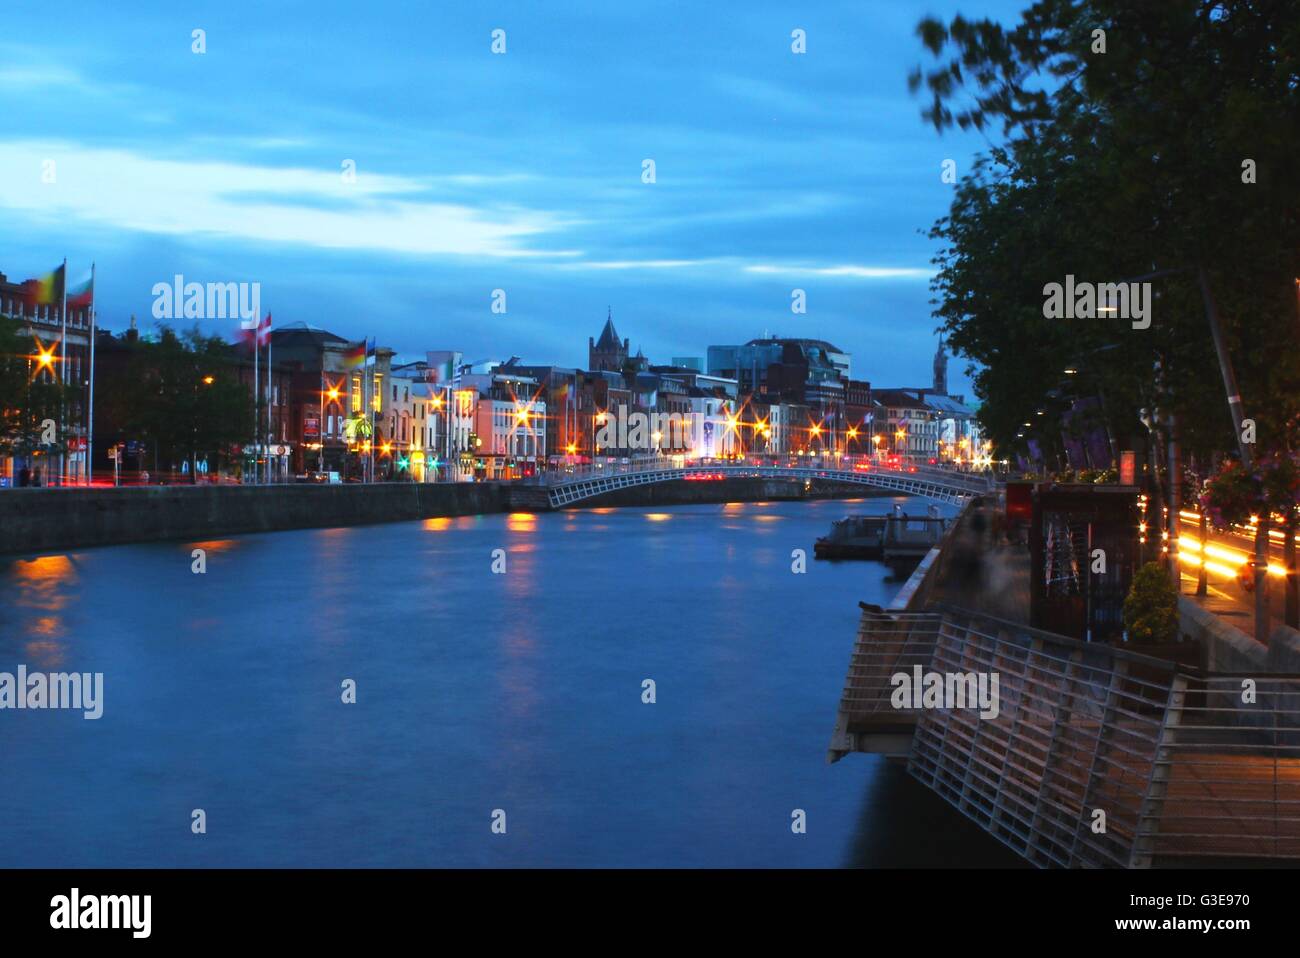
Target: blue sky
x=476 y=171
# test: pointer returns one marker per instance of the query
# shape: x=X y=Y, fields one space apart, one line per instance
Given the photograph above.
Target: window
x=356 y=394
x=378 y=391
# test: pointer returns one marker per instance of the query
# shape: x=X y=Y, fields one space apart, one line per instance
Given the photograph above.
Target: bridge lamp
x=853 y=432
x=44 y=359
x=816 y=430
x=333 y=393
x=875 y=440
x=209 y=380
x=572 y=448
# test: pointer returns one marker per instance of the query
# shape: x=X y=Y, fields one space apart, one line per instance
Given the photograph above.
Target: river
x=477 y=693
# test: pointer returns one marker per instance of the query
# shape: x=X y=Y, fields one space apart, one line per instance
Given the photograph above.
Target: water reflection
x=43 y=588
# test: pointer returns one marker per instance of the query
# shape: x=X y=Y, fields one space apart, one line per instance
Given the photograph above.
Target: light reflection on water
x=475 y=691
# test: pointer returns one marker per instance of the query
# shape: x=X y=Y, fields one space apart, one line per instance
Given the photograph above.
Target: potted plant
x=1151 y=618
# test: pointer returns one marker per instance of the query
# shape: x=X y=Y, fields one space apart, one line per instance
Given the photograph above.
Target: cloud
x=845 y=271
x=306 y=207
x=20 y=78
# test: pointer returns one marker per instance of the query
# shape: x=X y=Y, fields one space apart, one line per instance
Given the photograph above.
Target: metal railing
x=887 y=643
x=1228 y=776
x=940 y=484
x=1096 y=756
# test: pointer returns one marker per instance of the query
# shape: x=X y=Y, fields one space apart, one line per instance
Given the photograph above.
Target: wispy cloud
x=311 y=208
x=844 y=271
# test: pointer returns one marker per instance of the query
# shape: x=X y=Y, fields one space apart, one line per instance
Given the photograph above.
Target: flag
x=49 y=288
x=355 y=356
x=82 y=293
x=264 y=331
x=370 y=347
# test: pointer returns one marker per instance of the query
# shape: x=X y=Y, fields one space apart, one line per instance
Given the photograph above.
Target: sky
x=477 y=171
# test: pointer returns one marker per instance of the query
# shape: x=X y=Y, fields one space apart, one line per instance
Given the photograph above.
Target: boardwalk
x=1097 y=757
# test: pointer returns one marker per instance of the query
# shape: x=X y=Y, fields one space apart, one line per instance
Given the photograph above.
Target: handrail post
x=1158 y=785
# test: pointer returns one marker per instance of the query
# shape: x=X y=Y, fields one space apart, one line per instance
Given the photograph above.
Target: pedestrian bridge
x=940 y=485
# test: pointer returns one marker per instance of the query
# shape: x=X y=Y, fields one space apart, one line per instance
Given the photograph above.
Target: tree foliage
x=182 y=396
x=28 y=396
x=1114 y=166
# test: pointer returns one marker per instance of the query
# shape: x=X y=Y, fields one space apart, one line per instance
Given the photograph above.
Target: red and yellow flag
x=49 y=288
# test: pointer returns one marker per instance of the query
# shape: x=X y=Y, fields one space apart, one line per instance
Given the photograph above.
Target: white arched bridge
x=940 y=485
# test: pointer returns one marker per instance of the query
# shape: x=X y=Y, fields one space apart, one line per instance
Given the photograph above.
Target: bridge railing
x=974 y=483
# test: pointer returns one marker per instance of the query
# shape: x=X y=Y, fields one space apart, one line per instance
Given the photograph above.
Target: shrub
x=1151 y=608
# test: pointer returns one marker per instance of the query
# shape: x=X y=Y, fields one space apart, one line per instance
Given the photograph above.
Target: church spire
x=941 y=369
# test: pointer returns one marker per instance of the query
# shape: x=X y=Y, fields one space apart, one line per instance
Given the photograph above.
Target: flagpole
x=270 y=395
x=320 y=424
x=257 y=397
x=365 y=378
x=63 y=375
x=370 y=378
x=90 y=419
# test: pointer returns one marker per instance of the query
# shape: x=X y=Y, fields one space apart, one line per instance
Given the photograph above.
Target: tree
x=1121 y=164
x=182 y=395
x=31 y=397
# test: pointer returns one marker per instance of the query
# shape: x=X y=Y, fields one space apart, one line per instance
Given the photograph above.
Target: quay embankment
x=49 y=520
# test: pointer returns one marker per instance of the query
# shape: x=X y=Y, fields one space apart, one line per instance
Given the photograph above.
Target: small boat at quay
x=853 y=537
x=897 y=536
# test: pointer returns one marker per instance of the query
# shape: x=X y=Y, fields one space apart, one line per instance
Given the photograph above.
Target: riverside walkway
x=1097 y=756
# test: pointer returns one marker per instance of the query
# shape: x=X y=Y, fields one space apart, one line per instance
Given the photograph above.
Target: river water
x=477 y=693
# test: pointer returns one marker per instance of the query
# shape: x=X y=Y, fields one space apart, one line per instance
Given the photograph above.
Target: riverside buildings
x=348 y=409
x=60 y=354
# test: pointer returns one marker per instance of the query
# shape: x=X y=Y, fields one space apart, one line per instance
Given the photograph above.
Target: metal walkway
x=1097 y=756
x=940 y=485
